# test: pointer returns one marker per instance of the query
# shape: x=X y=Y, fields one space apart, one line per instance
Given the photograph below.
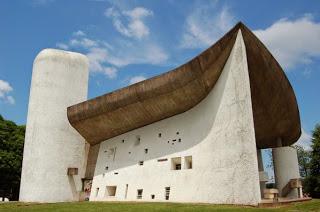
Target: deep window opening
x=188 y=162
x=159 y=135
x=111 y=191
x=146 y=151
x=97 y=192
x=152 y=196
x=162 y=159
x=139 y=193
x=126 y=191
x=176 y=163
x=167 y=193
x=137 y=141
x=140 y=163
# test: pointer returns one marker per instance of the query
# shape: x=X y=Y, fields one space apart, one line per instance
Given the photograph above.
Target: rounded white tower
x=59 y=79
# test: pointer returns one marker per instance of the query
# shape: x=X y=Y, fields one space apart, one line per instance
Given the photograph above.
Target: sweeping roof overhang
x=275 y=110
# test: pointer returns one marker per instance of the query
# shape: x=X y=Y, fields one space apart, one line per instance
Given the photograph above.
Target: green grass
x=313 y=205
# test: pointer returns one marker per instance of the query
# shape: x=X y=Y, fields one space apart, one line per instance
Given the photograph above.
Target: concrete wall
x=285 y=162
x=219 y=135
x=59 y=79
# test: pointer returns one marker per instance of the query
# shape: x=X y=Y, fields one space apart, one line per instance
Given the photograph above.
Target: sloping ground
x=313 y=205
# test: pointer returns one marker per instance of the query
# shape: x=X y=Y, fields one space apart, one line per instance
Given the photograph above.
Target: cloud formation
x=292 y=42
x=304 y=140
x=130 y=23
x=205 y=25
x=5 y=89
x=136 y=79
x=107 y=59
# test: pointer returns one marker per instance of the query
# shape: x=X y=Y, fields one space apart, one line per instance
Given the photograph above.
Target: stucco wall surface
x=59 y=79
x=219 y=135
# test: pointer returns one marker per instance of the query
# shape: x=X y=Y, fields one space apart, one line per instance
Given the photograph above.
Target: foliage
x=312 y=182
x=304 y=158
x=11 y=148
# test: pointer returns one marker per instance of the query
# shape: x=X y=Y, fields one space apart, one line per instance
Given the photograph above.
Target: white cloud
x=111 y=72
x=136 y=79
x=135 y=26
x=10 y=100
x=62 y=46
x=83 y=42
x=6 y=88
x=304 y=140
x=79 y=33
x=205 y=25
x=292 y=42
x=107 y=59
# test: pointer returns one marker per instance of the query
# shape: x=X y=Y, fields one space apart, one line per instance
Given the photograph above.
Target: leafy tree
x=312 y=182
x=11 y=150
x=304 y=157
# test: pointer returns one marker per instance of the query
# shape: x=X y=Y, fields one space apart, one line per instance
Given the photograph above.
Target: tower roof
x=275 y=109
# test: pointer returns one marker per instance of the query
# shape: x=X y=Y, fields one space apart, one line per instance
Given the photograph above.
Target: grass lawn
x=313 y=205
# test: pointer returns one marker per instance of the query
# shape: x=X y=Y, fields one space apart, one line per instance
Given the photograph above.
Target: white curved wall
x=285 y=162
x=219 y=135
x=59 y=79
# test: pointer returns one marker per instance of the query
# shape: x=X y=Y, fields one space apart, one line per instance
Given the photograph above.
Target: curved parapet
x=59 y=79
x=274 y=104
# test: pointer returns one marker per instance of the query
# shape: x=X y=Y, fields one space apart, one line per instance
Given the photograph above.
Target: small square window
x=159 y=135
x=111 y=191
x=140 y=163
x=139 y=193
x=176 y=163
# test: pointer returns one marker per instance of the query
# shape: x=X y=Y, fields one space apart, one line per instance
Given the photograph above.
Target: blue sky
x=128 y=41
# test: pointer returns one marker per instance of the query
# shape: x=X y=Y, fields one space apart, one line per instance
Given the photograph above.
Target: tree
x=312 y=182
x=304 y=157
x=11 y=150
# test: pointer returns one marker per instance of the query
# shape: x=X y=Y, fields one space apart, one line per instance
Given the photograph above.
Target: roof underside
x=274 y=104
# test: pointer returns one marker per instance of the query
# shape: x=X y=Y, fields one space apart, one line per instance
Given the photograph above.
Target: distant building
x=193 y=134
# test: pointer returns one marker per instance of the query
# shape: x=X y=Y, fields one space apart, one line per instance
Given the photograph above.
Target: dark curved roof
x=275 y=109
